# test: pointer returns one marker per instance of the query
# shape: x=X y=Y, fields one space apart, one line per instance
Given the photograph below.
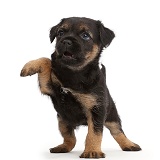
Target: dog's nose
x=67 y=42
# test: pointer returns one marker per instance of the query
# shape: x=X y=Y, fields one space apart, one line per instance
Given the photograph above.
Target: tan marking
x=87 y=100
x=90 y=56
x=65 y=26
x=119 y=136
x=90 y=34
x=123 y=141
x=83 y=27
x=42 y=66
x=93 y=141
x=30 y=68
x=113 y=127
x=69 y=139
x=44 y=76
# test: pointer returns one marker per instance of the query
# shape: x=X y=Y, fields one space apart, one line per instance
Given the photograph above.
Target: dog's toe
x=59 y=149
x=23 y=73
x=27 y=72
x=29 y=69
x=92 y=154
x=134 y=147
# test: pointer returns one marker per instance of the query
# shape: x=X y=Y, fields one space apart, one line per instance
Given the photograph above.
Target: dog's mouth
x=68 y=55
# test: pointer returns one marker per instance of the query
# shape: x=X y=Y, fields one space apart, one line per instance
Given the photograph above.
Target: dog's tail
x=103 y=69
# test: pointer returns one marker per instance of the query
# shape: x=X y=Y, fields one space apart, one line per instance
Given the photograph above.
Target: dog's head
x=79 y=41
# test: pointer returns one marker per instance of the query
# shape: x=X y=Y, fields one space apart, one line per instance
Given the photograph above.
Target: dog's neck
x=84 y=79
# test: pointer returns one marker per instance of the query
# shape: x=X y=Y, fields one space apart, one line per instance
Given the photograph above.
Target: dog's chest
x=69 y=108
x=72 y=104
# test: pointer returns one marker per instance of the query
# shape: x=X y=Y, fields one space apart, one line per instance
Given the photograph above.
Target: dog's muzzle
x=67 y=44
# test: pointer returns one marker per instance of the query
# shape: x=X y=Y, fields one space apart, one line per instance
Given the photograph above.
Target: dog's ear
x=53 y=33
x=54 y=29
x=106 y=35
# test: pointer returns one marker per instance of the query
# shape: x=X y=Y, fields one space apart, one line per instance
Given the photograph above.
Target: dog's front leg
x=42 y=66
x=95 y=120
x=93 y=139
x=68 y=135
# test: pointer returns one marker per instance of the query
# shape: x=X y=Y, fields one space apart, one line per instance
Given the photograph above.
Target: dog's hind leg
x=113 y=123
x=118 y=134
x=67 y=133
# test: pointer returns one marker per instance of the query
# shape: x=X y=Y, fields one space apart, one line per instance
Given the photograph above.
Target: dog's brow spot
x=65 y=26
x=83 y=26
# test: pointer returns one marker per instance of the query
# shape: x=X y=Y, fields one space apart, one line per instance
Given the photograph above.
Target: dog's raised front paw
x=92 y=154
x=30 y=68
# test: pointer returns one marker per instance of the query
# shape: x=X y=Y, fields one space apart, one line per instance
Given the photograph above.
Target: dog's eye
x=85 y=36
x=60 y=33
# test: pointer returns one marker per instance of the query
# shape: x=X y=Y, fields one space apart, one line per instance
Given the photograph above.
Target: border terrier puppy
x=77 y=86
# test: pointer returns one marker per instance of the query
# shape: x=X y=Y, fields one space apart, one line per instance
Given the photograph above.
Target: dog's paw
x=28 y=72
x=59 y=149
x=29 y=69
x=134 y=147
x=92 y=154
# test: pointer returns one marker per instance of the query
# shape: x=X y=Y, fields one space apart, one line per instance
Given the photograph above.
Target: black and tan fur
x=77 y=86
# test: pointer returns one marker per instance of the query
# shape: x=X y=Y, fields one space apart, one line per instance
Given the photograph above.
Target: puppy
x=77 y=86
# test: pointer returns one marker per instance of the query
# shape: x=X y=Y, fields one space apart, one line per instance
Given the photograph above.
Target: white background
x=28 y=124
